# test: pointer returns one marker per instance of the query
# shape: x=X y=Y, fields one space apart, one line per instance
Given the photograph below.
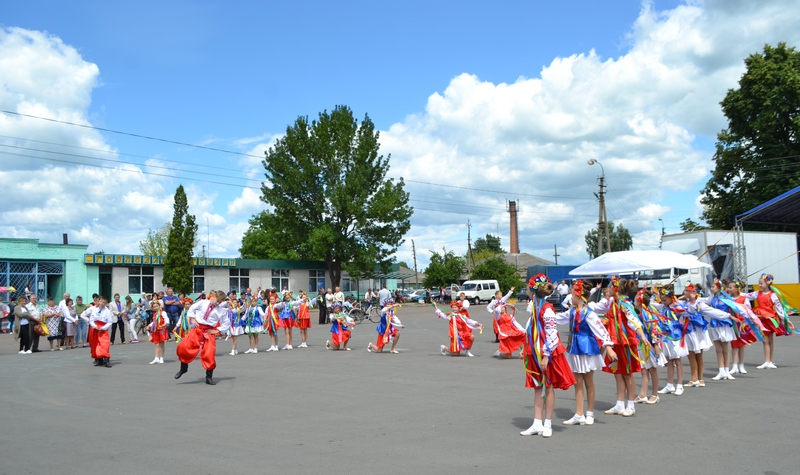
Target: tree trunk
x=335 y=268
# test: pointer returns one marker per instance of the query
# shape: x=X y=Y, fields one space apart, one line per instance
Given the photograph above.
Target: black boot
x=496 y=338
x=107 y=362
x=184 y=369
x=98 y=361
x=209 y=374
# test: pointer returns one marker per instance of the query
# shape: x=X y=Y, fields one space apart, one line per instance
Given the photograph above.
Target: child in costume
x=254 y=324
x=696 y=335
x=745 y=335
x=209 y=318
x=159 y=330
x=546 y=367
x=510 y=333
x=460 y=332
x=654 y=329
x=288 y=319
x=672 y=343
x=272 y=321
x=100 y=320
x=341 y=324
x=584 y=354
x=721 y=327
x=388 y=328
x=498 y=298
x=236 y=316
x=771 y=310
x=301 y=306
x=625 y=330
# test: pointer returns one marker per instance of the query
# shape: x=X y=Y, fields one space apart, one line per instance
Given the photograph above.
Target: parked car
x=477 y=290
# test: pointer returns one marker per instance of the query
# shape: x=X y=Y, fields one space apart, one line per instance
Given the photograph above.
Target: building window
x=140 y=280
x=346 y=284
x=239 y=279
x=199 y=279
x=280 y=279
x=316 y=280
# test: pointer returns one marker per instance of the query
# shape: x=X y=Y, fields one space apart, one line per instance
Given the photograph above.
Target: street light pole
x=602 y=221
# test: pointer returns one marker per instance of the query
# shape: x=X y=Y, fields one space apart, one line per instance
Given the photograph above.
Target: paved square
x=317 y=411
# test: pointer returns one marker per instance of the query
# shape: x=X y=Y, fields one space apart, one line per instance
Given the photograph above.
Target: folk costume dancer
x=100 y=320
x=696 y=337
x=301 y=306
x=745 y=335
x=584 y=354
x=510 y=333
x=254 y=324
x=341 y=324
x=272 y=321
x=159 y=330
x=546 y=367
x=626 y=334
x=498 y=298
x=654 y=329
x=183 y=326
x=771 y=310
x=672 y=343
x=237 y=318
x=210 y=318
x=460 y=331
x=288 y=319
x=721 y=327
x=388 y=328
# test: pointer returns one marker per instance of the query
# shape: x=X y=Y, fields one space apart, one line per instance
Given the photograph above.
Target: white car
x=477 y=290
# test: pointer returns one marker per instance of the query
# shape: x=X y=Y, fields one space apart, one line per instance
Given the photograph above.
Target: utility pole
x=602 y=219
x=469 y=245
x=416 y=275
x=555 y=252
x=661 y=241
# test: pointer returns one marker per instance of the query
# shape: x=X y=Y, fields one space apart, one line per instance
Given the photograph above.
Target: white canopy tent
x=626 y=262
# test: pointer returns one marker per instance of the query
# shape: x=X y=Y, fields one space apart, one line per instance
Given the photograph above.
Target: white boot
x=155 y=361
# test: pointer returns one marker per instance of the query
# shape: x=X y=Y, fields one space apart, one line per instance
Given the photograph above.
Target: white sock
x=620 y=405
x=630 y=404
x=741 y=366
x=669 y=386
x=548 y=423
x=589 y=414
x=537 y=422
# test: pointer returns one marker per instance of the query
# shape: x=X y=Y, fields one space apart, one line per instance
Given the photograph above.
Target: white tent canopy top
x=626 y=262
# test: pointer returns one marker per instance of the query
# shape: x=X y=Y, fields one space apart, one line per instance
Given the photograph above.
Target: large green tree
x=330 y=198
x=180 y=246
x=757 y=155
x=444 y=269
x=500 y=270
x=621 y=239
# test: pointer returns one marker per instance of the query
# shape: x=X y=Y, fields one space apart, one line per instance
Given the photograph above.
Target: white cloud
x=638 y=114
x=246 y=205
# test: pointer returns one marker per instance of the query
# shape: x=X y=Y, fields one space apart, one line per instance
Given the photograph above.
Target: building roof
x=521 y=261
x=781 y=210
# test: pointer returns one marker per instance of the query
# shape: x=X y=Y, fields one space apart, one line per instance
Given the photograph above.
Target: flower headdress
x=577 y=289
x=537 y=281
x=768 y=279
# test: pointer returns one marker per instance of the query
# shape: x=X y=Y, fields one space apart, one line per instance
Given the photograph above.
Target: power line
x=140 y=136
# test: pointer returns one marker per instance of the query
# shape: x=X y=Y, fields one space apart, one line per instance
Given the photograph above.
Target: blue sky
x=508 y=96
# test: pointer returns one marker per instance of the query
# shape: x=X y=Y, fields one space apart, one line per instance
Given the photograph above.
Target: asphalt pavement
x=317 y=411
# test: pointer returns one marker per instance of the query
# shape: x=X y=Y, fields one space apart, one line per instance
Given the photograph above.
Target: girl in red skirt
x=546 y=367
x=510 y=333
x=340 y=329
x=303 y=318
x=624 y=327
x=159 y=330
x=460 y=332
x=388 y=328
x=498 y=299
x=745 y=334
x=770 y=311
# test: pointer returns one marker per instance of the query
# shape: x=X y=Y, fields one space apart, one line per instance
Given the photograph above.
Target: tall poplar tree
x=330 y=198
x=180 y=246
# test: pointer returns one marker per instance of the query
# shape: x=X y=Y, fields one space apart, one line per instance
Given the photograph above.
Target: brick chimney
x=514 y=235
